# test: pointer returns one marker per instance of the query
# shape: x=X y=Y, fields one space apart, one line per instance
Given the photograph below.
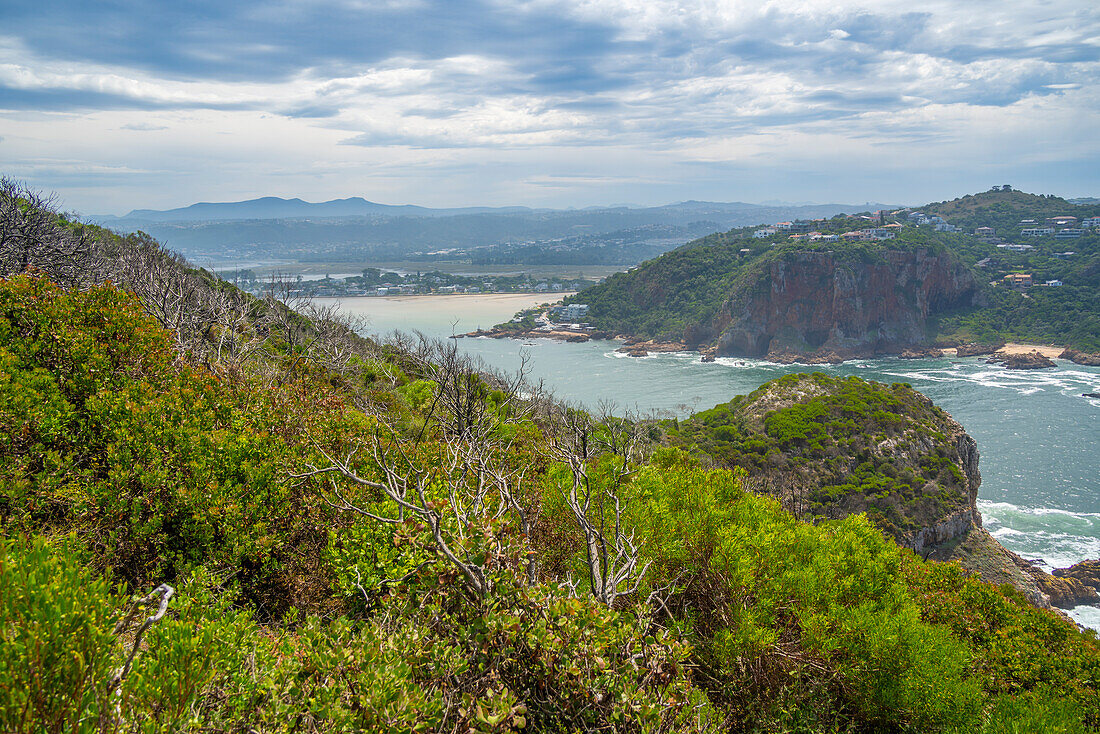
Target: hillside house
x=880 y=233
x=1018 y=281
x=1036 y=231
x=1069 y=233
x=574 y=311
x=985 y=232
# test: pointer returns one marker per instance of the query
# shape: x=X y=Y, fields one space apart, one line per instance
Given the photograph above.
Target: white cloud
x=770 y=86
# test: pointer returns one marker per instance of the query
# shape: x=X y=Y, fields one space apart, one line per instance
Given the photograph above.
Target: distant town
x=377 y=282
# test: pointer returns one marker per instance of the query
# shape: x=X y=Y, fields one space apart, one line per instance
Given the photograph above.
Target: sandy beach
x=519 y=300
x=438 y=315
x=1015 y=348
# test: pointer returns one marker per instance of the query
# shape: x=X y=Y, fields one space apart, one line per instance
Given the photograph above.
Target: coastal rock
x=921 y=353
x=1064 y=592
x=1087 y=572
x=650 y=346
x=1079 y=357
x=707 y=358
x=821 y=305
x=977 y=350
x=790 y=356
x=1028 y=361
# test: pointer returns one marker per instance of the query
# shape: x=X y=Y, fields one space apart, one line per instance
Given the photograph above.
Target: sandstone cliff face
x=812 y=304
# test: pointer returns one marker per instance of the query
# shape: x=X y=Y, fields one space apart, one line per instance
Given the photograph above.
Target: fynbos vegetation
x=262 y=522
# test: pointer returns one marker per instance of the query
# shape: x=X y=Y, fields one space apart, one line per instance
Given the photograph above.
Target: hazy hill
x=272 y=207
x=357 y=231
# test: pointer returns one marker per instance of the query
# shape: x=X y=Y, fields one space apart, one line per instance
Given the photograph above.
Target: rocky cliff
x=829 y=447
x=820 y=306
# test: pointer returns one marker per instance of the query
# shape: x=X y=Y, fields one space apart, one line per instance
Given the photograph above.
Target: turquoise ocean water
x=1038 y=436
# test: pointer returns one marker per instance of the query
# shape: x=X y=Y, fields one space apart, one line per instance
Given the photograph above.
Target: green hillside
x=687 y=293
x=1003 y=210
x=831 y=447
x=256 y=521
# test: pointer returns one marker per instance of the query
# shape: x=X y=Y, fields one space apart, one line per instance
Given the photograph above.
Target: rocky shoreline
x=1011 y=356
x=1069 y=587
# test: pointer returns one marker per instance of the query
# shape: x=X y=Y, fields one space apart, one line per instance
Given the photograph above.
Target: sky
x=122 y=105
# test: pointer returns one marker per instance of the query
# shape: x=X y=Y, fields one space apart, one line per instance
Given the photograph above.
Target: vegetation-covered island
x=220 y=514
x=993 y=267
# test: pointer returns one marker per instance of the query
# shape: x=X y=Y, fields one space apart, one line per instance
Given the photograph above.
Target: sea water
x=1037 y=434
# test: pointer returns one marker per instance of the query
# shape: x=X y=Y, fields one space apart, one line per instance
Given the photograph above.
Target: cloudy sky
x=120 y=105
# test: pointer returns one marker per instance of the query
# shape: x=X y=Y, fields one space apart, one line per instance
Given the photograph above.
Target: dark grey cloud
x=262 y=41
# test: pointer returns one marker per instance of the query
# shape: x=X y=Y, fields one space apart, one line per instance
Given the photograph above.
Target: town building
x=574 y=311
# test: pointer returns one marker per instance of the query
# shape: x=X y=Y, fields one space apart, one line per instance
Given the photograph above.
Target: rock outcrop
x=977 y=350
x=1028 y=361
x=921 y=353
x=925 y=487
x=1079 y=357
x=820 y=305
x=634 y=347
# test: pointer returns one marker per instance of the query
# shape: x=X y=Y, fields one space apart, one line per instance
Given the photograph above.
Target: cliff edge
x=825 y=306
x=829 y=447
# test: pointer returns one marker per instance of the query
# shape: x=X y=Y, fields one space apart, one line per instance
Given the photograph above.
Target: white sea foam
x=1086 y=616
x=1024 y=382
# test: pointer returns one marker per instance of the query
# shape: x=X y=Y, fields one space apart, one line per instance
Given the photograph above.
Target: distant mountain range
x=357 y=230
x=273 y=207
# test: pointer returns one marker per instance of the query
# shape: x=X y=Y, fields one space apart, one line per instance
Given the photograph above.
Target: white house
x=574 y=311
x=1069 y=232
